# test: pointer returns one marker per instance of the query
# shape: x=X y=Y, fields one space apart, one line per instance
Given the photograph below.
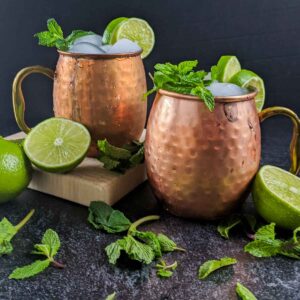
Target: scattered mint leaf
x=111 y=296
x=151 y=239
x=263 y=248
x=167 y=245
x=212 y=265
x=244 y=293
x=113 y=252
x=227 y=224
x=164 y=270
x=182 y=79
x=295 y=238
x=266 y=232
x=30 y=270
x=120 y=159
x=8 y=231
x=102 y=216
x=54 y=37
x=49 y=246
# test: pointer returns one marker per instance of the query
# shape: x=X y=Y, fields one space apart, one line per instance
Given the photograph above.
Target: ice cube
x=226 y=89
x=86 y=48
x=124 y=46
x=105 y=48
x=91 y=38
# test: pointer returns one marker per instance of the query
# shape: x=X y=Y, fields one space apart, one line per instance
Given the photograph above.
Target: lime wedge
x=138 y=31
x=57 y=144
x=108 y=34
x=228 y=65
x=249 y=79
x=276 y=195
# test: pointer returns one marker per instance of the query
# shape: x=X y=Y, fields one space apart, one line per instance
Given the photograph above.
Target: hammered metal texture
x=104 y=94
x=201 y=163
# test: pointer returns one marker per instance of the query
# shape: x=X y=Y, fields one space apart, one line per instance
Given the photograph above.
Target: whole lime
x=15 y=170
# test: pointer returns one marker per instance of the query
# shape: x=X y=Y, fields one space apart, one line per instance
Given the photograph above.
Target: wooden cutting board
x=88 y=182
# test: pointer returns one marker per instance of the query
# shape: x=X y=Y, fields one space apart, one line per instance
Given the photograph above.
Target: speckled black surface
x=88 y=274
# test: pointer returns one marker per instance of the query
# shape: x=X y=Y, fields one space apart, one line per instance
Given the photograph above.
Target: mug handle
x=17 y=94
x=295 y=142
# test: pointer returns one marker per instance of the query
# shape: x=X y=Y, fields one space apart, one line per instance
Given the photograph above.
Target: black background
x=264 y=34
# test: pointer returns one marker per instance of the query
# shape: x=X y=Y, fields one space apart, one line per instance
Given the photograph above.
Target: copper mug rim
x=100 y=56
x=220 y=99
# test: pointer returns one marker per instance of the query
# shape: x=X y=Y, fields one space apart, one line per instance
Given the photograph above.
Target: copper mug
x=200 y=163
x=103 y=92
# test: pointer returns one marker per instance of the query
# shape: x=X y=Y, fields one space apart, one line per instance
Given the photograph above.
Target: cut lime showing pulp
x=57 y=144
x=138 y=31
x=249 y=79
x=108 y=34
x=276 y=195
x=228 y=65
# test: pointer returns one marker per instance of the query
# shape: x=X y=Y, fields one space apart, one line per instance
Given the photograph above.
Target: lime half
x=57 y=144
x=249 y=79
x=138 y=31
x=108 y=34
x=228 y=65
x=276 y=195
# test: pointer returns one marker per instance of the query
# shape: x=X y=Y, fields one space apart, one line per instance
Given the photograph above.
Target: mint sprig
x=165 y=271
x=8 y=231
x=183 y=79
x=54 y=36
x=48 y=247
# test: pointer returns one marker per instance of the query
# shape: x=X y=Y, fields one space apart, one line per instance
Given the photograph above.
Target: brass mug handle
x=17 y=94
x=295 y=143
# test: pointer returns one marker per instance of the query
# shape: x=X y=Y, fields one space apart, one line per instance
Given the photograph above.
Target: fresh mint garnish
x=244 y=293
x=8 y=231
x=102 y=216
x=212 y=265
x=120 y=159
x=265 y=244
x=183 y=79
x=54 y=36
x=48 y=247
x=164 y=270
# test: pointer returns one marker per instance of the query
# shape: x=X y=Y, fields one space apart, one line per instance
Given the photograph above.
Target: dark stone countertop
x=88 y=274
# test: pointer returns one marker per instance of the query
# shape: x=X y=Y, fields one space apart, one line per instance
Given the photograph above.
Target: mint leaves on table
x=164 y=270
x=265 y=243
x=8 y=231
x=102 y=216
x=49 y=247
x=120 y=159
x=244 y=293
x=54 y=36
x=183 y=79
x=212 y=265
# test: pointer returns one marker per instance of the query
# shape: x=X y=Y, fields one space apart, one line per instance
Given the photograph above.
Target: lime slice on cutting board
x=138 y=31
x=276 y=195
x=57 y=144
x=228 y=65
x=108 y=34
x=249 y=79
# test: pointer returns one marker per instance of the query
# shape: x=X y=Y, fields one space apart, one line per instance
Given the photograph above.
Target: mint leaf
x=226 y=225
x=295 y=232
x=112 y=151
x=263 y=248
x=151 y=239
x=166 y=244
x=215 y=72
x=76 y=34
x=7 y=230
x=212 y=265
x=54 y=28
x=30 y=270
x=205 y=95
x=102 y=216
x=113 y=252
x=164 y=270
x=266 y=232
x=111 y=296
x=244 y=293
x=187 y=66
x=51 y=240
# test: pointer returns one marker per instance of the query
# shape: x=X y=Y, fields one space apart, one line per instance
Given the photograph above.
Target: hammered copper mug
x=200 y=164
x=102 y=91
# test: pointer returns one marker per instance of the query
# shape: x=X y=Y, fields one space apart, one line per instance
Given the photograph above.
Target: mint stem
x=179 y=249
x=56 y=264
x=137 y=223
x=25 y=220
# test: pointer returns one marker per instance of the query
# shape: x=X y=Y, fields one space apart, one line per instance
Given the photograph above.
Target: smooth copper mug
x=103 y=92
x=201 y=163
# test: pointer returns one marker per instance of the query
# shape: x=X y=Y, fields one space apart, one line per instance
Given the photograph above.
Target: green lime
x=138 y=31
x=108 y=34
x=249 y=79
x=276 y=195
x=228 y=65
x=15 y=170
x=57 y=144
